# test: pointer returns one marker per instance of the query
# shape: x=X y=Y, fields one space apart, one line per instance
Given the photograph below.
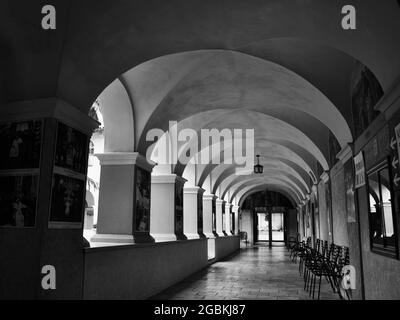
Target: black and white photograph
x=18 y=200
x=67 y=202
x=200 y=213
x=200 y=158
x=143 y=184
x=71 y=149
x=178 y=208
x=20 y=143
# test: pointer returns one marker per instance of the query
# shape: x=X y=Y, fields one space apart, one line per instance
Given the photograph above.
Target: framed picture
x=67 y=202
x=18 y=199
x=71 y=149
x=178 y=207
x=143 y=186
x=214 y=216
x=232 y=221
x=223 y=218
x=20 y=145
x=199 y=213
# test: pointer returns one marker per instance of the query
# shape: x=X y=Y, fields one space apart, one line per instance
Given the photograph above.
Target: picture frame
x=142 y=200
x=71 y=149
x=21 y=144
x=178 y=208
x=19 y=199
x=67 y=201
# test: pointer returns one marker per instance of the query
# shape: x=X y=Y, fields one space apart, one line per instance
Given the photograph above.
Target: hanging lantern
x=258 y=168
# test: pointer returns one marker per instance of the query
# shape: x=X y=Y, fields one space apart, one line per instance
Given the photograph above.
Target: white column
x=162 y=223
x=116 y=221
x=191 y=211
x=207 y=215
x=219 y=226
x=235 y=210
x=228 y=218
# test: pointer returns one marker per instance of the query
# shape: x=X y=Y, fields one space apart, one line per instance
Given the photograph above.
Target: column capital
x=209 y=196
x=388 y=103
x=167 y=178
x=325 y=176
x=220 y=201
x=49 y=108
x=346 y=153
x=124 y=158
x=193 y=190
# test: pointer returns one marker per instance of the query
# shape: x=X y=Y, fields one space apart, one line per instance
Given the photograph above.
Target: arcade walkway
x=255 y=273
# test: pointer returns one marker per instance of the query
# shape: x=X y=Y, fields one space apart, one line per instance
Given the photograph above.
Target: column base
x=192 y=236
x=113 y=238
x=181 y=237
x=164 y=237
x=210 y=235
x=143 y=238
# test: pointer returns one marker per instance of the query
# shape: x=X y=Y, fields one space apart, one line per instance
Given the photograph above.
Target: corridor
x=256 y=273
x=143 y=141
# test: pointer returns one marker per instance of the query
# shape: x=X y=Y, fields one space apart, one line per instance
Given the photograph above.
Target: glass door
x=277 y=226
x=262 y=227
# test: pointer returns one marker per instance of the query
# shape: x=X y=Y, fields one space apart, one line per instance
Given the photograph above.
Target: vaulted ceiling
x=282 y=67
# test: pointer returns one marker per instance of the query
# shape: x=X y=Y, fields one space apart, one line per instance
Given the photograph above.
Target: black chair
x=329 y=267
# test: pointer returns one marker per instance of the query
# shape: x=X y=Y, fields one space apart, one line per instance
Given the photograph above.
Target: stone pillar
x=167 y=207
x=44 y=175
x=124 y=198
x=235 y=210
x=208 y=200
x=220 y=208
x=228 y=227
x=193 y=212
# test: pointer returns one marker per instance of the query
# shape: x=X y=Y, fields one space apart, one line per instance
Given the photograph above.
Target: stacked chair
x=318 y=261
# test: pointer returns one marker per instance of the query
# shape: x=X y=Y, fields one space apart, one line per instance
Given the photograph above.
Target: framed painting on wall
x=232 y=221
x=214 y=216
x=20 y=145
x=71 y=149
x=199 y=213
x=67 y=202
x=18 y=200
x=178 y=207
x=143 y=185
x=223 y=219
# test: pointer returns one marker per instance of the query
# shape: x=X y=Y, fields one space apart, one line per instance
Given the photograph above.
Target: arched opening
x=268 y=217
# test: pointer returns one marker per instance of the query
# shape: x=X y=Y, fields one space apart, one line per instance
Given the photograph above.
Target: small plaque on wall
x=143 y=186
x=18 y=200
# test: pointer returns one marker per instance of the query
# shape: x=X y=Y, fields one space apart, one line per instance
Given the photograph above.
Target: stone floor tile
x=256 y=273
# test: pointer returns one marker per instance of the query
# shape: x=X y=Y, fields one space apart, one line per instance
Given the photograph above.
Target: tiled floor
x=255 y=273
